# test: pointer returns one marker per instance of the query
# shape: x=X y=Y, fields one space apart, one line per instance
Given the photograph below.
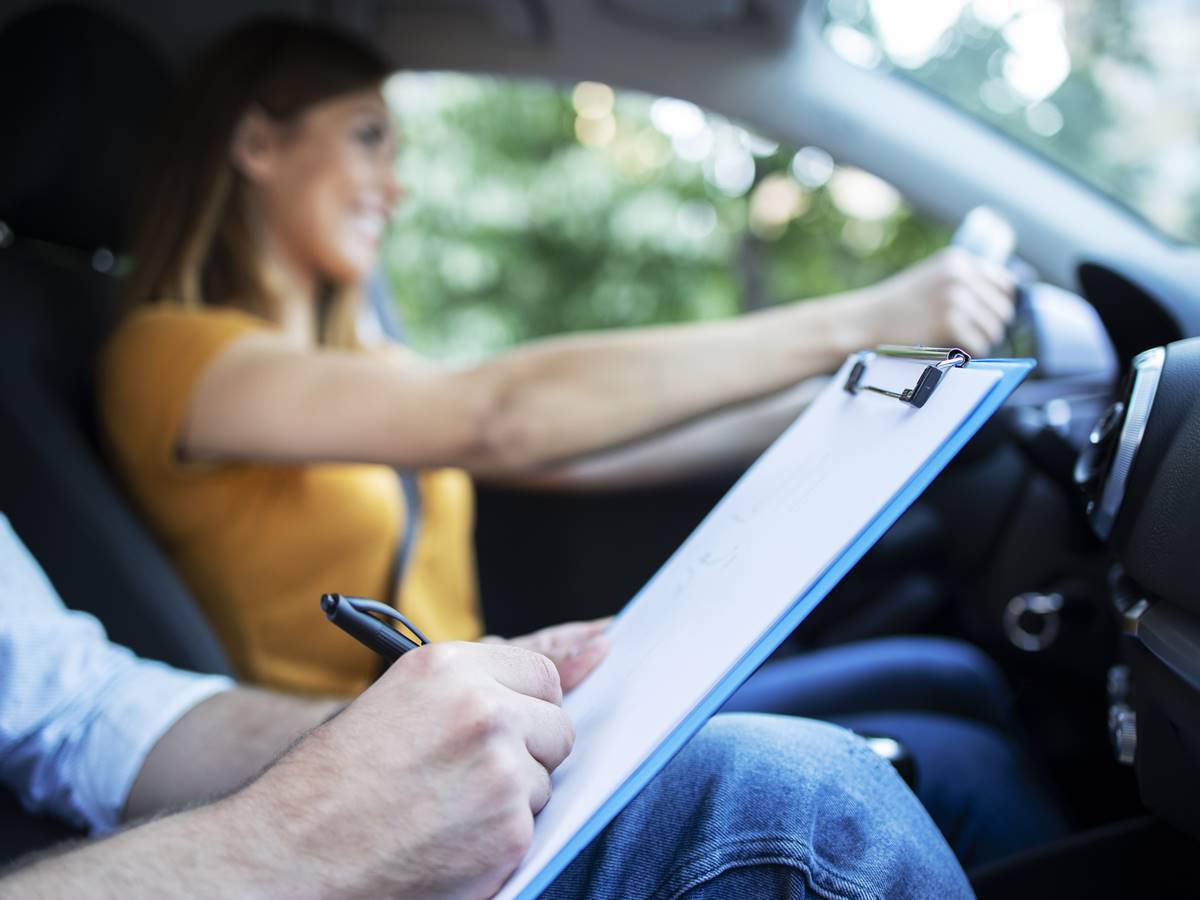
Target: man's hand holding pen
x=453 y=747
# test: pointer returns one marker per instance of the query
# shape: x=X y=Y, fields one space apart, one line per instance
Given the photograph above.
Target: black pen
x=353 y=616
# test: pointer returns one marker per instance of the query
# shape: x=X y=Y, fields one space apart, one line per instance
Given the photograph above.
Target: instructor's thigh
x=776 y=806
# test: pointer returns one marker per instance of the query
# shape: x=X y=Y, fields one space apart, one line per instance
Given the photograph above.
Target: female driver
x=261 y=438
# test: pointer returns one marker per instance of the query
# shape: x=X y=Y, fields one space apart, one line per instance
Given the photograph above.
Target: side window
x=534 y=209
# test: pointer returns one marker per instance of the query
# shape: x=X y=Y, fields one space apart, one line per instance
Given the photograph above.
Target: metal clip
x=947 y=358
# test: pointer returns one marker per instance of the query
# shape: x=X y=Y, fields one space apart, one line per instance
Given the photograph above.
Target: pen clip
x=358 y=617
x=362 y=604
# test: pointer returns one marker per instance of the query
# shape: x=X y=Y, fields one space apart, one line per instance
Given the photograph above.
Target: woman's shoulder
x=159 y=330
x=162 y=348
x=166 y=316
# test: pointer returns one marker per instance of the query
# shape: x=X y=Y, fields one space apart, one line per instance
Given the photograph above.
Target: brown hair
x=193 y=244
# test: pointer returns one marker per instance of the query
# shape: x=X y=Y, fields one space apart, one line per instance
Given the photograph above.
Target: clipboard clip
x=943 y=360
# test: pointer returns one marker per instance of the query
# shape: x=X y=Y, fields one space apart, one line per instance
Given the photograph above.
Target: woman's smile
x=368 y=218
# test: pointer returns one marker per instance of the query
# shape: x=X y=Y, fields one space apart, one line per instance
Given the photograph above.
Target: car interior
x=1060 y=541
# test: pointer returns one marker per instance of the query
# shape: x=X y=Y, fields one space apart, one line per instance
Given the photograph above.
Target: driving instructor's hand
x=428 y=783
x=949 y=299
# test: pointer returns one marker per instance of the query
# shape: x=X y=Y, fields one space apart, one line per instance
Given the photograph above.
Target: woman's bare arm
x=721 y=443
x=264 y=399
x=559 y=399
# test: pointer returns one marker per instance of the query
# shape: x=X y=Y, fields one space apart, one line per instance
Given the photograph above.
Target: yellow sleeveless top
x=259 y=543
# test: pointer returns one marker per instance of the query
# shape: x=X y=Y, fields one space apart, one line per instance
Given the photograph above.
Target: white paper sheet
x=763 y=546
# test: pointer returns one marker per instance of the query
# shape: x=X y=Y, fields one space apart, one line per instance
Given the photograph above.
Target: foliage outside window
x=535 y=209
x=1109 y=89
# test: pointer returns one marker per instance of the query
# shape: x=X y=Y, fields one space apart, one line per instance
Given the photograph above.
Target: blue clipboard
x=1012 y=372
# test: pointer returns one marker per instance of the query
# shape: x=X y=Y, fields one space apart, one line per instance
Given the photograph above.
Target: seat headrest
x=80 y=103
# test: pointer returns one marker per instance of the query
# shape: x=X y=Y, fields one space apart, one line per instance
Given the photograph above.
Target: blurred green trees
x=1107 y=89
x=535 y=209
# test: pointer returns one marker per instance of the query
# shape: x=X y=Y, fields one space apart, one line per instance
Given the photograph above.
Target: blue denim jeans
x=932 y=674
x=769 y=806
x=949 y=705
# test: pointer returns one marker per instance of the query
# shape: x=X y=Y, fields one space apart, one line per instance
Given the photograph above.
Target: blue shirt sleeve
x=78 y=714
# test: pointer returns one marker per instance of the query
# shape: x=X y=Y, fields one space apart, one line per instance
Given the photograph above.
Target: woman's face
x=324 y=184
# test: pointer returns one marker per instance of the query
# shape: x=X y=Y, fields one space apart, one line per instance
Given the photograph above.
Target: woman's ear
x=255 y=144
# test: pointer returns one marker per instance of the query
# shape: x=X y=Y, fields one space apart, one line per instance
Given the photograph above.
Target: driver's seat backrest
x=80 y=107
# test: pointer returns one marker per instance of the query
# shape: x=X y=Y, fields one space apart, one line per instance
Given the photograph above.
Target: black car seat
x=77 y=108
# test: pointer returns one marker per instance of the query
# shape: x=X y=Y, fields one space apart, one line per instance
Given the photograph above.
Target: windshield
x=1109 y=89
